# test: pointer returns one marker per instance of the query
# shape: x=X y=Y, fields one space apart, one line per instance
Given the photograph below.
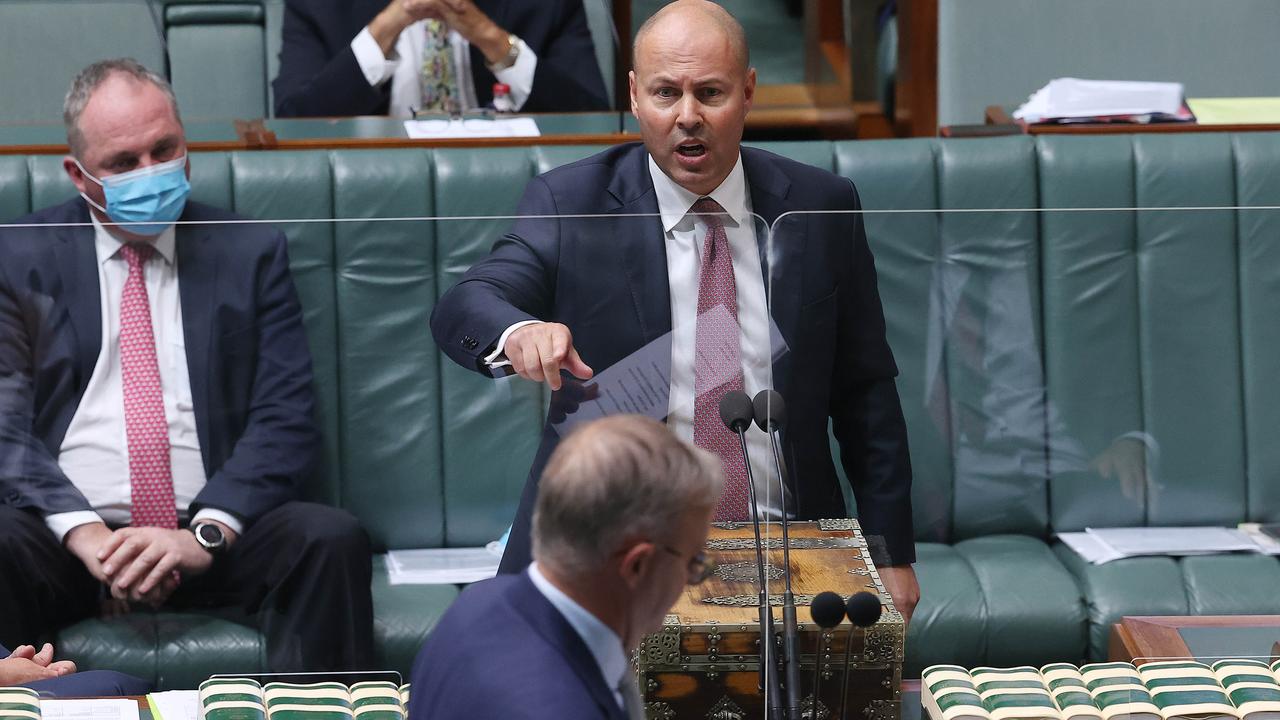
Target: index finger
x=113 y=542
x=551 y=353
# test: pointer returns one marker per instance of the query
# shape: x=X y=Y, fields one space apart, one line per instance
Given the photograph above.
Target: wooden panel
x=916 y=97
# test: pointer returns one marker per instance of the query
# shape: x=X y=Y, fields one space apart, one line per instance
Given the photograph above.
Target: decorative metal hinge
x=726 y=709
x=802 y=543
x=753 y=600
x=663 y=647
x=806 y=709
x=659 y=711
x=834 y=524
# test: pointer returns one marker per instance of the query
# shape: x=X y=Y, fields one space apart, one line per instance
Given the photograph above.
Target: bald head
x=692 y=18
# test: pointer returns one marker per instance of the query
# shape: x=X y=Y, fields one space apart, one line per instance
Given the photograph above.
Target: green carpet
x=776 y=39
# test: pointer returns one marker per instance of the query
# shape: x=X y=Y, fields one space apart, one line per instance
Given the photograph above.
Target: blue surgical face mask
x=147 y=200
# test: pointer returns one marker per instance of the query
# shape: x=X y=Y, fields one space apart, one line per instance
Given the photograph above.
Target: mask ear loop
x=89 y=175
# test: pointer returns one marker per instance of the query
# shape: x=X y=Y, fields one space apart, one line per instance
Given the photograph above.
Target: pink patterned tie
x=146 y=429
x=717 y=366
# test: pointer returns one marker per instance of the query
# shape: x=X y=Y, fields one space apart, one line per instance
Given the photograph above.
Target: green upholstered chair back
x=1154 y=323
x=218 y=58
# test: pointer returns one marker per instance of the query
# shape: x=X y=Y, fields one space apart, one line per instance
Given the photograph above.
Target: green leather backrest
x=901 y=176
x=1098 y=324
x=1188 y=310
x=1092 y=358
x=218 y=59
x=44 y=43
x=1257 y=183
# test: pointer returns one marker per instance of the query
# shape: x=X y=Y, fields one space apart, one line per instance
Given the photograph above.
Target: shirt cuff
x=519 y=77
x=225 y=518
x=498 y=358
x=63 y=523
x=376 y=67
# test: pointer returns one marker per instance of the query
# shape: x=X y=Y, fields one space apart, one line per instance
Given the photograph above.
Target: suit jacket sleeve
x=866 y=412
x=567 y=78
x=279 y=442
x=319 y=76
x=515 y=282
x=29 y=474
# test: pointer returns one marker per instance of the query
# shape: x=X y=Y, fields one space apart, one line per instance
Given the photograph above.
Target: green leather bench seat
x=1109 y=324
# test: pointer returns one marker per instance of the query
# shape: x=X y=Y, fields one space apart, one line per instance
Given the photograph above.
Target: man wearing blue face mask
x=156 y=404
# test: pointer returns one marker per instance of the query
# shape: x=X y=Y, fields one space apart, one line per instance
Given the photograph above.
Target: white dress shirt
x=600 y=639
x=406 y=87
x=94 y=453
x=685 y=235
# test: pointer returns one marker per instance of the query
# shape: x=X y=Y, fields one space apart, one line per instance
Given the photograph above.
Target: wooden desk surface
x=1159 y=636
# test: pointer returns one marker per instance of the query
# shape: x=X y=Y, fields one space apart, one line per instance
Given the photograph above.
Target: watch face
x=210 y=535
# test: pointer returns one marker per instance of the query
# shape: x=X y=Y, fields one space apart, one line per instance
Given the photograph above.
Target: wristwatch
x=210 y=537
x=513 y=53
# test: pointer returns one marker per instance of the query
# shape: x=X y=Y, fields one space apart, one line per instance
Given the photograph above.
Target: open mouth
x=691 y=150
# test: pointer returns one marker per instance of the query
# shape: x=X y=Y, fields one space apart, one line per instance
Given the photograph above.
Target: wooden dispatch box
x=705 y=661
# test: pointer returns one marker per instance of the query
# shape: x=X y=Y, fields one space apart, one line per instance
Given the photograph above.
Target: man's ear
x=635 y=563
x=74 y=172
x=749 y=90
x=631 y=80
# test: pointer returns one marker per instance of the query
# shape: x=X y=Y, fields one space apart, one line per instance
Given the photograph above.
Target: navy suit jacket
x=606 y=279
x=319 y=75
x=246 y=355
x=502 y=650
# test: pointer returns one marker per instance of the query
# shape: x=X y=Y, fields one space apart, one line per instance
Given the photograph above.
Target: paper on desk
x=441 y=566
x=443 y=129
x=175 y=705
x=1236 y=111
x=103 y=709
x=1267 y=545
x=1177 y=541
x=1075 y=98
x=1089 y=548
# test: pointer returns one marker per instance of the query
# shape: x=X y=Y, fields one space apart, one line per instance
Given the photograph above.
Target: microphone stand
x=771 y=423
x=768 y=672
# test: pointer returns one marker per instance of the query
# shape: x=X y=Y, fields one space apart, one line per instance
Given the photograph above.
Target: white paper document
x=1103 y=545
x=175 y=705
x=112 y=709
x=455 y=128
x=441 y=566
x=1075 y=98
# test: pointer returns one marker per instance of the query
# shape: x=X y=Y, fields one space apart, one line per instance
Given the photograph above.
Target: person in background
x=156 y=403
x=618 y=533
x=370 y=57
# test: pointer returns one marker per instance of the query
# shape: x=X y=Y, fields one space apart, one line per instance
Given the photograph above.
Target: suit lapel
x=547 y=621
x=644 y=244
x=780 y=257
x=77 y=262
x=197 y=278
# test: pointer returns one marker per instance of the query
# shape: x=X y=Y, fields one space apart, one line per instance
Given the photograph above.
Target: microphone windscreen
x=827 y=609
x=735 y=410
x=863 y=609
x=769 y=410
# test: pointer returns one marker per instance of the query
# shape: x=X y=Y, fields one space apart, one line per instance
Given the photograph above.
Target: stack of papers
x=174 y=705
x=464 y=128
x=1092 y=100
x=442 y=566
x=1103 y=545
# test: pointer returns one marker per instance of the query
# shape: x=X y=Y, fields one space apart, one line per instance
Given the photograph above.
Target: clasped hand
x=25 y=664
x=139 y=564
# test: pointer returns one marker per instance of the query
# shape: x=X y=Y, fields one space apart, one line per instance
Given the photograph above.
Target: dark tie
x=717 y=365
x=146 y=430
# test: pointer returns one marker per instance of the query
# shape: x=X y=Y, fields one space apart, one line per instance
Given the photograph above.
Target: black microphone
x=827 y=610
x=771 y=415
x=736 y=412
x=863 y=610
